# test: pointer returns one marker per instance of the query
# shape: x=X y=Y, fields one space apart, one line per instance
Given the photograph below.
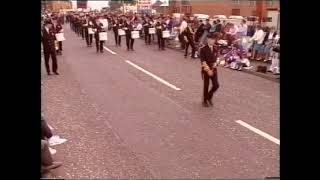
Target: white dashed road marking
x=261 y=133
x=154 y=76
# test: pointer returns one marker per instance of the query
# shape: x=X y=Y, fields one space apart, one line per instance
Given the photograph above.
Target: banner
x=144 y=2
x=164 y=2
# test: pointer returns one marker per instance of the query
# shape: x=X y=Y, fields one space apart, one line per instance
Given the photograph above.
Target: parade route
x=138 y=114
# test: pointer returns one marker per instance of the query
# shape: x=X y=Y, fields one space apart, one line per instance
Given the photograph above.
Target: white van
x=202 y=17
x=235 y=20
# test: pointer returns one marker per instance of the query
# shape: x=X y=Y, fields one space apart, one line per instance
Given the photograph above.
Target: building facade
x=56 y=5
x=82 y=4
x=258 y=8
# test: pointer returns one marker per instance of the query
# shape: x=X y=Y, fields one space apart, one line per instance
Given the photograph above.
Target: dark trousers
x=60 y=45
x=45 y=130
x=207 y=95
x=82 y=32
x=99 y=45
x=46 y=158
x=89 y=39
x=117 y=38
x=160 y=41
x=190 y=43
x=182 y=41
x=79 y=30
x=47 y=55
x=147 y=37
x=129 y=42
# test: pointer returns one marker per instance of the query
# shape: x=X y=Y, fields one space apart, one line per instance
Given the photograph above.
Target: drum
x=56 y=45
x=90 y=31
x=103 y=36
x=152 y=30
x=121 y=32
x=135 y=34
x=165 y=34
x=60 y=37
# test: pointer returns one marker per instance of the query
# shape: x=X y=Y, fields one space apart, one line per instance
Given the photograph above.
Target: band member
x=87 y=35
x=128 y=27
x=116 y=26
x=83 y=27
x=208 y=56
x=58 y=29
x=78 y=25
x=188 y=37
x=152 y=24
x=98 y=28
x=48 y=38
x=147 y=36
x=160 y=26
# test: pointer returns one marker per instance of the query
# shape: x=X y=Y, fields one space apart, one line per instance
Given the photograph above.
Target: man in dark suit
x=208 y=56
x=188 y=36
x=48 y=38
x=58 y=28
x=218 y=26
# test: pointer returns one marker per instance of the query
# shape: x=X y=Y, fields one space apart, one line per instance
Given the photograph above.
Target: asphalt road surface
x=138 y=114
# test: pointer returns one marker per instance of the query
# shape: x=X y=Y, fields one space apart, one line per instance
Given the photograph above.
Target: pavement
x=270 y=76
x=138 y=115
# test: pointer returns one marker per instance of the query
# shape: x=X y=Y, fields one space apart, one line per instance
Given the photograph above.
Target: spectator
x=199 y=32
x=269 y=40
x=242 y=29
x=182 y=27
x=47 y=162
x=257 y=39
x=46 y=134
x=275 y=66
x=213 y=27
x=218 y=26
x=206 y=29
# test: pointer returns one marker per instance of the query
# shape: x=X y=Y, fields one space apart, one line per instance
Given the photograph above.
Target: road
x=138 y=114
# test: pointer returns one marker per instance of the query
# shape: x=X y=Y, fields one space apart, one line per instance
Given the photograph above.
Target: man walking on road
x=208 y=56
x=48 y=38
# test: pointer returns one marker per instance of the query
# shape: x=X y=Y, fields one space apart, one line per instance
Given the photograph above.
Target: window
x=236 y=1
x=252 y=3
x=235 y=12
x=269 y=3
x=254 y=13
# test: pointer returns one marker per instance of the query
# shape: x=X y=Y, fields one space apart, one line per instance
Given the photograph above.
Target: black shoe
x=205 y=104
x=54 y=165
x=101 y=51
x=163 y=49
x=49 y=73
x=185 y=56
x=210 y=102
x=56 y=73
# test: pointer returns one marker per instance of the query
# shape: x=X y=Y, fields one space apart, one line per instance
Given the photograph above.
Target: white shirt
x=270 y=37
x=258 y=36
x=47 y=29
x=233 y=30
x=242 y=30
x=183 y=26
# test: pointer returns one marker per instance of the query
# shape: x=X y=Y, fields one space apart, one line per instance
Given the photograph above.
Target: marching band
x=203 y=38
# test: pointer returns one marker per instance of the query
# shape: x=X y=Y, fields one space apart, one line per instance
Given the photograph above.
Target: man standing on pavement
x=58 y=29
x=208 y=57
x=182 y=27
x=48 y=38
x=188 y=34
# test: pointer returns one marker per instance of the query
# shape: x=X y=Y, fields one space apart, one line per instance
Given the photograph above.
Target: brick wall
x=223 y=7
